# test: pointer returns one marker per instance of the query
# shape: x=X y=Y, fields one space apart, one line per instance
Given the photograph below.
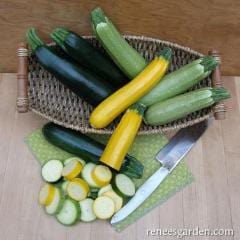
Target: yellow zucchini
x=180 y=80
x=122 y=138
x=119 y=101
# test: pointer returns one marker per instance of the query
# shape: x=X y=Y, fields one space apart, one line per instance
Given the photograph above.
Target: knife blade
x=169 y=157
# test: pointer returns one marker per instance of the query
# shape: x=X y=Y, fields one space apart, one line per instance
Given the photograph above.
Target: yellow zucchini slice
x=104 y=189
x=68 y=160
x=56 y=204
x=77 y=189
x=87 y=175
x=102 y=175
x=72 y=169
x=103 y=207
x=118 y=201
x=46 y=194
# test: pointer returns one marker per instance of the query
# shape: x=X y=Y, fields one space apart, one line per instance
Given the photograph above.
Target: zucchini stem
x=131 y=165
x=58 y=39
x=219 y=94
x=140 y=108
x=98 y=16
x=209 y=63
x=33 y=40
x=166 y=53
x=61 y=33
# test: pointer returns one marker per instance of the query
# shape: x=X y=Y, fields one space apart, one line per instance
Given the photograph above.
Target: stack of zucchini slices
x=77 y=191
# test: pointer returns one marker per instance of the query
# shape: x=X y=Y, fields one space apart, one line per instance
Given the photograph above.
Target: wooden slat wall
x=201 y=25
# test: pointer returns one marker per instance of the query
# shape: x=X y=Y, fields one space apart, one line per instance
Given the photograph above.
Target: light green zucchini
x=180 y=81
x=182 y=105
x=124 y=56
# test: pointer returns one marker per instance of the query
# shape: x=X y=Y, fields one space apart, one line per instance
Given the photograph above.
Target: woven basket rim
x=141 y=132
x=152 y=39
x=108 y=132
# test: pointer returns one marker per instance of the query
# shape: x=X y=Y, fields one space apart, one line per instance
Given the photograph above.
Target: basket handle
x=22 y=79
x=219 y=109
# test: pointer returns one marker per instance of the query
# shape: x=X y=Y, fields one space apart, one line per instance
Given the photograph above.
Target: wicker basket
x=40 y=92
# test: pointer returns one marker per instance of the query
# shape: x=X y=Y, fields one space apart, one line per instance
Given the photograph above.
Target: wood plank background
x=211 y=201
x=201 y=25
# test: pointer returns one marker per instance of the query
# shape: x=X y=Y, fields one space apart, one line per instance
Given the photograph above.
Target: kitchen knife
x=169 y=157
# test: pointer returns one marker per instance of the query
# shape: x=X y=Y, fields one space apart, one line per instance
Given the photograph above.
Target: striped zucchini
x=125 y=57
x=182 y=105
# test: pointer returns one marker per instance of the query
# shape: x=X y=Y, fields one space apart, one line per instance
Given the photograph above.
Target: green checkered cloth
x=144 y=149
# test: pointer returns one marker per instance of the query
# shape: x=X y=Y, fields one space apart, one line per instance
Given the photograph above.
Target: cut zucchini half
x=104 y=189
x=103 y=207
x=72 y=169
x=123 y=185
x=87 y=213
x=87 y=175
x=77 y=189
x=68 y=160
x=102 y=175
x=118 y=201
x=64 y=186
x=56 y=204
x=46 y=194
x=69 y=213
x=52 y=171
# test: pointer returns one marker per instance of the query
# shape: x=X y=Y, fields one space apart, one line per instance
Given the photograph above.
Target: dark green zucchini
x=87 y=148
x=85 y=54
x=81 y=81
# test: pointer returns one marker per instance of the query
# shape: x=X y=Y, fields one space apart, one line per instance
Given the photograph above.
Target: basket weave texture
x=52 y=100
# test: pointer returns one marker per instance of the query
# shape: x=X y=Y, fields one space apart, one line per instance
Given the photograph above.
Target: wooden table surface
x=212 y=201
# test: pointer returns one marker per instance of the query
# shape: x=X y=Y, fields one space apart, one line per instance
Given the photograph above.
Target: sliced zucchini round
x=87 y=175
x=77 y=189
x=46 y=194
x=123 y=185
x=69 y=213
x=103 y=207
x=52 y=171
x=118 y=201
x=56 y=204
x=102 y=175
x=86 y=207
x=68 y=160
x=72 y=169
x=104 y=189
